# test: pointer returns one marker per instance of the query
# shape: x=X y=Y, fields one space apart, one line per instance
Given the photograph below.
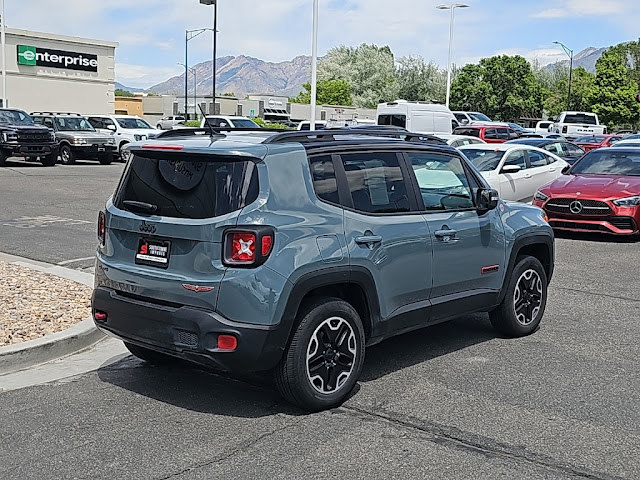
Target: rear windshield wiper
x=143 y=207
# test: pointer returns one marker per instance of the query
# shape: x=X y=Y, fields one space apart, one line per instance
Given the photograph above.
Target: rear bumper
x=188 y=332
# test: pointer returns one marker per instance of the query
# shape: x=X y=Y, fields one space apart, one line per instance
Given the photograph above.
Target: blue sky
x=151 y=32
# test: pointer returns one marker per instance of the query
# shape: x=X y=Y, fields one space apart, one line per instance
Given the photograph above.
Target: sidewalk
x=26 y=354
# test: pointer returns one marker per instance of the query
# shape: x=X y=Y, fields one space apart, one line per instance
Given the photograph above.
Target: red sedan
x=591 y=142
x=599 y=193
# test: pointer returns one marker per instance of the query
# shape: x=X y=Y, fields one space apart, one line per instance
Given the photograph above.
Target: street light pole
x=314 y=66
x=451 y=7
x=188 y=35
x=569 y=53
x=215 y=45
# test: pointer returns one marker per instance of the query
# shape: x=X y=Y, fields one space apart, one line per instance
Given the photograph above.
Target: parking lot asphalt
x=449 y=401
x=50 y=214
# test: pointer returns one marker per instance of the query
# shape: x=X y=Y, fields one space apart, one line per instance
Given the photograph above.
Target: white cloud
x=142 y=76
x=580 y=8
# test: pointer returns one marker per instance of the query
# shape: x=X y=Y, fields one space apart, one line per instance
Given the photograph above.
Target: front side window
x=376 y=182
x=442 y=180
x=133 y=123
x=491 y=134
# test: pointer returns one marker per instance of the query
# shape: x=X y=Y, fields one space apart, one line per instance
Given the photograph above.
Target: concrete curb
x=41 y=350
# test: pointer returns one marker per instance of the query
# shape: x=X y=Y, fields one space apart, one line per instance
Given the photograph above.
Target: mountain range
x=244 y=75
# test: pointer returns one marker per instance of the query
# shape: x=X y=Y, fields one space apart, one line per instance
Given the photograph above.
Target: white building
x=56 y=73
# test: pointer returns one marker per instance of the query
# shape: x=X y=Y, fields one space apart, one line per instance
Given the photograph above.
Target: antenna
x=206 y=120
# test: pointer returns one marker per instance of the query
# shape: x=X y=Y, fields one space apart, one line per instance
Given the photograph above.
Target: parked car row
x=47 y=136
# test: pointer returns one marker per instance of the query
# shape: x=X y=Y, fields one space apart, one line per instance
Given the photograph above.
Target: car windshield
x=605 y=161
x=591 y=139
x=478 y=116
x=76 y=124
x=133 y=123
x=484 y=160
x=245 y=123
x=15 y=117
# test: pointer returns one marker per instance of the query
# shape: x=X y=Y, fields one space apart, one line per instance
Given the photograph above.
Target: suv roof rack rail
x=332 y=134
x=186 y=132
x=56 y=113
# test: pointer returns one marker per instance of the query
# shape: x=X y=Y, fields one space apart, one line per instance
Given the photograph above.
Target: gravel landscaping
x=35 y=304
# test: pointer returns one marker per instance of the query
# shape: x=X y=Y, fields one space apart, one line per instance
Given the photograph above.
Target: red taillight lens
x=267 y=242
x=101 y=227
x=100 y=316
x=227 y=342
x=243 y=247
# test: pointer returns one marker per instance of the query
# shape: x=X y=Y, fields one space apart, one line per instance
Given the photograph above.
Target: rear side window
x=491 y=134
x=473 y=132
x=376 y=182
x=324 y=178
x=537 y=159
x=186 y=189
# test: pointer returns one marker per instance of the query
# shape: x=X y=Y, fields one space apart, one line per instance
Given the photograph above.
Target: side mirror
x=486 y=199
x=111 y=127
x=511 y=169
x=566 y=169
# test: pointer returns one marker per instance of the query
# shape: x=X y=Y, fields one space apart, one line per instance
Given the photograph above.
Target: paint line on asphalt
x=74 y=260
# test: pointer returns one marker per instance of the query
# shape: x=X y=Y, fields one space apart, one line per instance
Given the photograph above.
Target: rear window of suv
x=187 y=189
x=580 y=118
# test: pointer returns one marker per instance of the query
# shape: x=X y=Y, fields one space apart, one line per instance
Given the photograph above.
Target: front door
x=468 y=249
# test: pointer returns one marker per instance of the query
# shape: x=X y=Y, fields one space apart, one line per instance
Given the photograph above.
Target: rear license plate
x=154 y=253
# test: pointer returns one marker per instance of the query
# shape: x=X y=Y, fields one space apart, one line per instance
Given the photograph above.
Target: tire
x=159 y=127
x=525 y=300
x=105 y=158
x=124 y=154
x=308 y=376
x=67 y=155
x=49 y=160
x=149 y=356
x=3 y=159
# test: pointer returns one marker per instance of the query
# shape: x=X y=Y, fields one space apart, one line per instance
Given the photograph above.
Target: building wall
x=46 y=88
x=128 y=106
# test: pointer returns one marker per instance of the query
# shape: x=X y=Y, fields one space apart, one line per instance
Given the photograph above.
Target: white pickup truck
x=577 y=124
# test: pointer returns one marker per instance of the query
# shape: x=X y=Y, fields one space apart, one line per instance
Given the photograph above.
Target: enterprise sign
x=47 y=57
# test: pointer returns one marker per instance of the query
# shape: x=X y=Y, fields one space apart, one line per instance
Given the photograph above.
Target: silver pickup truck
x=577 y=124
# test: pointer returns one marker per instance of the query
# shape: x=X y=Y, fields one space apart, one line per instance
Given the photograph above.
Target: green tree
x=554 y=81
x=329 y=92
x=417 y=80
x=119 y=92
x=613 y=95
x=502 y=87
x=368 y=69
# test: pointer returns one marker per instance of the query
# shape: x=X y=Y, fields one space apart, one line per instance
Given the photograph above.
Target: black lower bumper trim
x=188 y=332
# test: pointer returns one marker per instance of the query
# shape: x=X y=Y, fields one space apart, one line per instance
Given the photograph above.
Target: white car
x=306 y=125
x=125 y=128
x=627 y=142
x=458 y=141
x=228 y=121
x=516 y=171
x=167 y=123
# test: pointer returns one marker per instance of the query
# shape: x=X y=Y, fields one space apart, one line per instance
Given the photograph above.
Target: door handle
x=368 y=240
x=527 y=175
x=552 y=169
x=444 y=234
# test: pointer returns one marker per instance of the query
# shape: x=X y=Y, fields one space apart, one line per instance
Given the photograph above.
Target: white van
x=420 y=117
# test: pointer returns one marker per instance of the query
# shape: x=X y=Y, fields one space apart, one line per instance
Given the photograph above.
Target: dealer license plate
x=154 y=253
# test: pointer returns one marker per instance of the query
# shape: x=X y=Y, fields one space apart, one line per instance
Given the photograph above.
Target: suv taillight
x=247 y=247
x=101 y=227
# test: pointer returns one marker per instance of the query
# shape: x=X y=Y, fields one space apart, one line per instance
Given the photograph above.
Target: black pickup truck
x=21 y=137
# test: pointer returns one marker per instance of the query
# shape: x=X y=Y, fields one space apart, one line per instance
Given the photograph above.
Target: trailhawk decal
x=47 y=57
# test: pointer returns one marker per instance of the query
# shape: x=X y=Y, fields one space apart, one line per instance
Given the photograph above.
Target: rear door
x=385 y=233
x=165 y=226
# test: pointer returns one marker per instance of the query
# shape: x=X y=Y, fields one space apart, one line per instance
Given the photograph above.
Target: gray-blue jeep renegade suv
x=290 y=252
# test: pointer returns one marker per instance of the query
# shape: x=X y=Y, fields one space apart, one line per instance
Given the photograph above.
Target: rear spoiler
x=177 y=152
